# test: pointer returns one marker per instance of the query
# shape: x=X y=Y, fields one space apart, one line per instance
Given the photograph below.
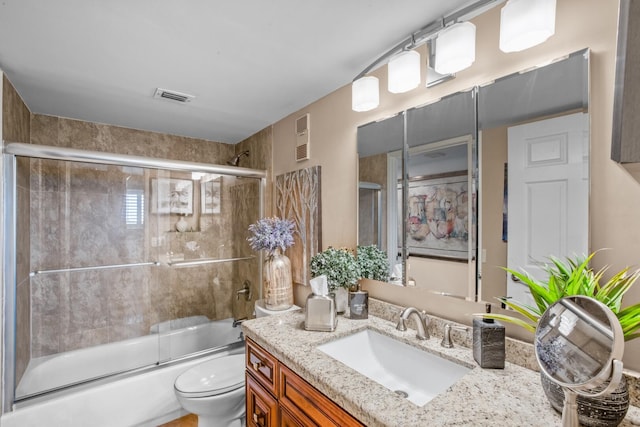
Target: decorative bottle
x=488 y=342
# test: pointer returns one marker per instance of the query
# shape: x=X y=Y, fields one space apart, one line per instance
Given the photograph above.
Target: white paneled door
x=548 y=195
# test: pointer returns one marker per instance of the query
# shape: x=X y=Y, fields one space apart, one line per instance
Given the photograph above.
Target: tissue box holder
x=320 y=313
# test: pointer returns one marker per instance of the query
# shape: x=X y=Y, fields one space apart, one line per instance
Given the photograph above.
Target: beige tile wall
x=77 y=221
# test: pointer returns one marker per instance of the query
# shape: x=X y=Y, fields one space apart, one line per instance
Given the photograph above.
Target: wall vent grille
x=303 y=138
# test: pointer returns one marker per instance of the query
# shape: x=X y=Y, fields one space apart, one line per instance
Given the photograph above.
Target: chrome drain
x=401 y=393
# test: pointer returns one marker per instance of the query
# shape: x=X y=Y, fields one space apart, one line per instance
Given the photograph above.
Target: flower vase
x=341 y=296
x=182 y=225
x=277 y=281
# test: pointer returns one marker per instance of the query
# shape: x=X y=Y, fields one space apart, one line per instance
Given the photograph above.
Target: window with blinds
x=134 y=208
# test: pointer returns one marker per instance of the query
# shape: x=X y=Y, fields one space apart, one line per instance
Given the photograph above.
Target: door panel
x=548 y=193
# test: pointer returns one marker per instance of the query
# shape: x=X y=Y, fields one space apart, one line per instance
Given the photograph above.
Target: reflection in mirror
x=379 y=149
x=370 y=215
x=440 y=239
x=579 y=345
x=546 y=109
x=534 y=172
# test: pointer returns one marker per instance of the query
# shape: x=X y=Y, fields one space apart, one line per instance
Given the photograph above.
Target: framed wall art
x=210 y=196
x=298 y=199
x=438 y=223
x=171 y=196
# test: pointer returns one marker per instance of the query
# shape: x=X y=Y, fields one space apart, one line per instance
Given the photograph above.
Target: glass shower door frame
x=10 y=223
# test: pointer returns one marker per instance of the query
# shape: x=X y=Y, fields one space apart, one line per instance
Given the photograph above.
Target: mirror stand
x=570 y=409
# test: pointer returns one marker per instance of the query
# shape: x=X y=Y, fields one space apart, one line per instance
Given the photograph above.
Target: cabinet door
x=298 y=396
x=287 y=419
x=262 y=407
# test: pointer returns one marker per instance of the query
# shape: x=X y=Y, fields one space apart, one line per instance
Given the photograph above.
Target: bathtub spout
x=238 y=322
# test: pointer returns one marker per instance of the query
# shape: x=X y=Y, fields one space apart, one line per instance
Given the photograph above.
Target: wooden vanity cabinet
x=277 y=396
x=262 y=406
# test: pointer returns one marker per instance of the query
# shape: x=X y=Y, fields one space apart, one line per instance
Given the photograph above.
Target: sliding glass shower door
x=114 y=261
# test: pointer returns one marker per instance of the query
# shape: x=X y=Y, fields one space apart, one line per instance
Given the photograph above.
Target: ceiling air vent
x=172 y=95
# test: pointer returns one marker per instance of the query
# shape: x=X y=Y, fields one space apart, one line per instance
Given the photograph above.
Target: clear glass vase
x=277 y=281
x=341 y=295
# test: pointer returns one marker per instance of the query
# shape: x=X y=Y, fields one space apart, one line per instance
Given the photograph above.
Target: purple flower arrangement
x=271 y=234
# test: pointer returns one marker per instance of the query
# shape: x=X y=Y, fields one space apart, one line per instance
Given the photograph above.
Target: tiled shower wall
x=374 y=169
x=79 y=223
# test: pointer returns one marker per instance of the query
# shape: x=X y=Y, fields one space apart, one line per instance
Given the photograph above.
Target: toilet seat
x=217 y=376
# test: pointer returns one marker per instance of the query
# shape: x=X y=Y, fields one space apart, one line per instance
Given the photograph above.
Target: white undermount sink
x=415 y=374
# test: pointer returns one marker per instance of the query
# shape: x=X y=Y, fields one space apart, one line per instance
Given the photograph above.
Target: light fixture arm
x=430 y=30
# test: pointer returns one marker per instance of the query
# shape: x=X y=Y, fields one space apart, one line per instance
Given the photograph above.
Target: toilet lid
x=211 y=378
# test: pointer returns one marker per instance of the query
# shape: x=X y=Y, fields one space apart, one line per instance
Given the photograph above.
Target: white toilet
x=214 y=391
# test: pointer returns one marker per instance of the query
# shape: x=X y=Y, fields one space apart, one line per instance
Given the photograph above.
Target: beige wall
x=494 y=156
x=615 y=194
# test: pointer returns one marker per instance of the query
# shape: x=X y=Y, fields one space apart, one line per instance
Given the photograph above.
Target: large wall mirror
x=490 y=177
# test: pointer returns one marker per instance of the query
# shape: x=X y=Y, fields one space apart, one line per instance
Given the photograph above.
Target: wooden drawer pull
x=257 y=365
x=258 y=419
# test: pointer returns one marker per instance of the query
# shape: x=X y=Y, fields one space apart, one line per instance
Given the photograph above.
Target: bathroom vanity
x=275 y=392
x=292 y=382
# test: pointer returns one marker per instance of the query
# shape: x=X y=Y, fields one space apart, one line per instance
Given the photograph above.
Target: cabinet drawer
x=262 y=407
x=263 y=366
x=296 y=395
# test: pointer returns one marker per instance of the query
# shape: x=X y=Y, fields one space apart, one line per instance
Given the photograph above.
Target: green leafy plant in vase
x=341 y=268
x=569 y=277
x=373 y=263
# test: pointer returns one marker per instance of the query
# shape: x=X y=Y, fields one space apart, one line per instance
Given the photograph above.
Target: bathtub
x=143 y=398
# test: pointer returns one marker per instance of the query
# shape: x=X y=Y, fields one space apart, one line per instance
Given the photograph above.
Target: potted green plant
x=373 y=263
x=341 y=269
x=575 y=277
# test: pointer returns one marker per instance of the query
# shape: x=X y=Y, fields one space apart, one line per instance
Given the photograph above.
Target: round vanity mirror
x=579 y=345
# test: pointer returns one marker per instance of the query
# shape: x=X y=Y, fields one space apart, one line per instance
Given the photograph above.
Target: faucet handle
x=446 y=338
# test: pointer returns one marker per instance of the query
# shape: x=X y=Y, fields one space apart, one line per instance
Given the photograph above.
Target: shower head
x=236 y=159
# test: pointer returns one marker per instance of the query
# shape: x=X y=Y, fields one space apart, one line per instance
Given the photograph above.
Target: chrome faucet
x=446 y=337
x=246 y=291
x=423 y=321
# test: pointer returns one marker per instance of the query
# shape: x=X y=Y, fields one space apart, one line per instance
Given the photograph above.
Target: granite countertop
x=483 y=397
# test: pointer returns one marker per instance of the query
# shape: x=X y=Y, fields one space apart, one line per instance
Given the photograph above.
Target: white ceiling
x=248 y=62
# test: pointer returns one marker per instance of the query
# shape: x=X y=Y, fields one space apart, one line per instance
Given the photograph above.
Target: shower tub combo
x=139 y=397
x=61 y=370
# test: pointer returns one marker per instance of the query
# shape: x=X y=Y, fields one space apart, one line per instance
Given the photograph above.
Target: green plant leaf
x=524 y=309
x=574 y=276
x=631 y=337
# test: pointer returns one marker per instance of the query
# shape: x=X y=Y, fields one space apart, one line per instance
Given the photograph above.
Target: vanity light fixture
x=455 y=48
x=404 y=71
x=523 y=24
x=526 y=23
x=365 y=94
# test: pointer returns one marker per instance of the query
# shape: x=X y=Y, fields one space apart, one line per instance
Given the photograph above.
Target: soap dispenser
x=488 y=342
